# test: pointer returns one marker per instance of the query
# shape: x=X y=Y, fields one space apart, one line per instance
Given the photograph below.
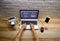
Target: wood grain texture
x=52 y=34
x=50 y=8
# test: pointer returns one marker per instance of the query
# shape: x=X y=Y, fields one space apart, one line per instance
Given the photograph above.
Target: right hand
x=32 y=26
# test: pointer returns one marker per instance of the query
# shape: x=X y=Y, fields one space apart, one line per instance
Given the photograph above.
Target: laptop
x=29 y=16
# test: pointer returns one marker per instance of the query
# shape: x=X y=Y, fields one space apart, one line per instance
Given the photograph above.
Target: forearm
x=35 y=35
x=18 y=36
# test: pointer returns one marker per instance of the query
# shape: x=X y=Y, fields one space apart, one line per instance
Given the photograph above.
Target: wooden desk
x=52 y=34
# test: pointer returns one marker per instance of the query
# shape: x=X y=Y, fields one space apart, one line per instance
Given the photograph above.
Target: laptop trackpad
x=35 y=27
x=28 y=27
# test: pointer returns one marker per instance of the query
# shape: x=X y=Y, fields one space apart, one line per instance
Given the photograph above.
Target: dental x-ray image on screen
x=29 y=16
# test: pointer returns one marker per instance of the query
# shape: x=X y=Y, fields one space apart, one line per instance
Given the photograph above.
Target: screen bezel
x=29 y=10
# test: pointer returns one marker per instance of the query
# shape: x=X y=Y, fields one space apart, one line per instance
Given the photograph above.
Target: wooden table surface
x=8 y=33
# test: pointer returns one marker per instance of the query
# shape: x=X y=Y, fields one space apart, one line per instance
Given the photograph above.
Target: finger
x=31 y=24
x=24 y=24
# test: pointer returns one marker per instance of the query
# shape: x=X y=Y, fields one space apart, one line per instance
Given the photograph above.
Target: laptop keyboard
x=28 y=22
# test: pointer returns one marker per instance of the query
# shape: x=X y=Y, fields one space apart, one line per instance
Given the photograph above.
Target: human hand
x=32 y=26
x=24 y=26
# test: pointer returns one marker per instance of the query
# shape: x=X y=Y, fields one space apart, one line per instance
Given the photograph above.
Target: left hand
x=24 y=26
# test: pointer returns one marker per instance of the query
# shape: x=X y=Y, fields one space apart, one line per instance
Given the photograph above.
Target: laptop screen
x=29 y=14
